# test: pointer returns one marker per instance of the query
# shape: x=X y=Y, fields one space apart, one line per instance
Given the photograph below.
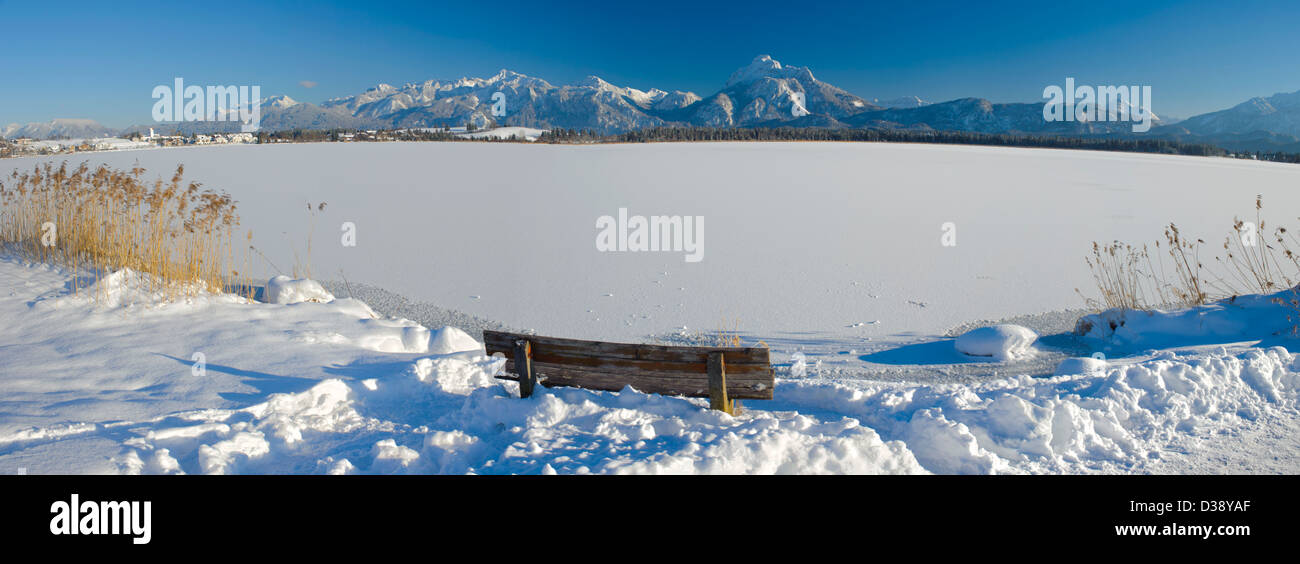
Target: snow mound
x=350 y=321
x=452 y=340
x=1001 y=342
x=285 y=290
x=126 y=288
x=394 y=336
x=1081 y=365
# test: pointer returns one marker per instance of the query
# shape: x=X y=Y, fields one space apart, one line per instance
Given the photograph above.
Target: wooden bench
x=722 y=374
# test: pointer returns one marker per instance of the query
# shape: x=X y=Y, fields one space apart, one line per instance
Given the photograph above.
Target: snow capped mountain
x=763 y=93
x=676 y=100
x=903 y=102
x=62 y=128
x=1279 y=113
x=763 y=66
x=525 y=101
x=982 y=116
x=766 y=91
x=285 y=114
x=279 y=102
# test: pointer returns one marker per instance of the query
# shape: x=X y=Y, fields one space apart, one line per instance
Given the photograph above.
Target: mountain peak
x=504 y=75
x=56 y=128
x=593 y=81
x=761 y=67
x=280 y=102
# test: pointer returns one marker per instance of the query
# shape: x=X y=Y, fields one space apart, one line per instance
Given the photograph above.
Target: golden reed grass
x=1130 y=277
x=99 y=220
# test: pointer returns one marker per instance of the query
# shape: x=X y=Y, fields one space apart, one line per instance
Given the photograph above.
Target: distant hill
x=57 y=129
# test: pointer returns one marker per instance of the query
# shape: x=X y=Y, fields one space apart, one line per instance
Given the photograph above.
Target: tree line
x=677 y=134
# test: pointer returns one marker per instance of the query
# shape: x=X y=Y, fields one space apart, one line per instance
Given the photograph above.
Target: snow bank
x=1081 y=365
x=127 y=288
x=446 y=414
x=452 y=340
x=1110 y=421
x=1001 y=342
x=285 y=290
x=1243 y=318
x=334 y=388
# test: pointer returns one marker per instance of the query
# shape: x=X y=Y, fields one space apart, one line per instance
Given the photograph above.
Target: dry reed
x=1131 y=278
x=100 y=220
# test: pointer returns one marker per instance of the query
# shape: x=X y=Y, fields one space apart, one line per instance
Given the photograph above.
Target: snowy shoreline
x=334 y=387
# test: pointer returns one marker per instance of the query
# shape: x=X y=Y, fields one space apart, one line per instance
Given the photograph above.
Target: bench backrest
x=658 y=369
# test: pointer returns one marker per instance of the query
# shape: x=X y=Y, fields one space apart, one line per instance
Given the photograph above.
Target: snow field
x=331 y=387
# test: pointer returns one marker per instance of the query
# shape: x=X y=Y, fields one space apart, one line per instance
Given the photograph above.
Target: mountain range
x=60 y=128
x=764 y=93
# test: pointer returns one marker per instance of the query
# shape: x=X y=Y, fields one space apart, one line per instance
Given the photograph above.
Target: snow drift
x=1000 y=342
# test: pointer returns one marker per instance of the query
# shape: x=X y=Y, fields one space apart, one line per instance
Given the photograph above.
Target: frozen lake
x=828 y=246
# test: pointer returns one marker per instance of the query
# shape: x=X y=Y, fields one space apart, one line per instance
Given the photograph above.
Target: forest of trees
x=689 y=134
x=676 y=134
x=673 y=134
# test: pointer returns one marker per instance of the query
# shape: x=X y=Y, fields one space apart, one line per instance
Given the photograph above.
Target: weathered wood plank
x=524 y=367
x=718 y=384
x=670 y=386
x=502 y=341
x=667 y=370
x=700 y=378
x=627 y=366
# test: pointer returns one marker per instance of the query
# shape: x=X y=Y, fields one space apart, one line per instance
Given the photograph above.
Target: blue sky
x=101 y=60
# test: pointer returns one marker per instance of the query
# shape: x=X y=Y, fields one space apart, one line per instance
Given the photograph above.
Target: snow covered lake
x=832 y=251
x=831 y=248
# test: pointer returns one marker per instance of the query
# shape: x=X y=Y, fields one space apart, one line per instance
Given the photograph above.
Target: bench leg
x=718 y=385
x=524 y=368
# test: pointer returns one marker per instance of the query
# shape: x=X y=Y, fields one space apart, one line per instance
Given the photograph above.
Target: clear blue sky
x=101 y=59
